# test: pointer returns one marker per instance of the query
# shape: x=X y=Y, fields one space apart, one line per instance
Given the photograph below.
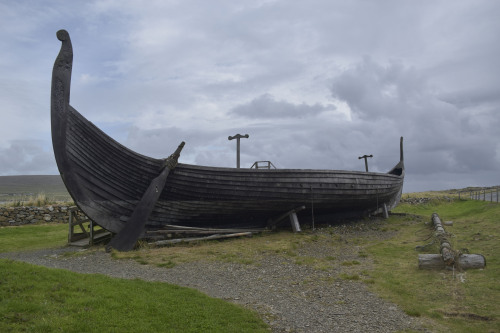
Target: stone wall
x=31 y=215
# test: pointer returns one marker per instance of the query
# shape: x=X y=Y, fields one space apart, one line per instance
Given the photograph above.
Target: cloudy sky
x=315 y=84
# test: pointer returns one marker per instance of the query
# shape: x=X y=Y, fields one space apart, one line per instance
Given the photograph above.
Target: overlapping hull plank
x=107 y=180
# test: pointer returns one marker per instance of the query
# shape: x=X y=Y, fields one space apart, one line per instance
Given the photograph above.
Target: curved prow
x=60 y=108
x=401 y=155
x=61 y=75
x=399 y=169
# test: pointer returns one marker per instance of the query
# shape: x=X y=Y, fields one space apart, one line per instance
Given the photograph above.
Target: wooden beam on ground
x=195 y=239
x=201 y=232
x=465 y=261
x=448 y=257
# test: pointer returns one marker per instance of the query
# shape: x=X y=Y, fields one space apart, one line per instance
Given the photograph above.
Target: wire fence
x=483 y=194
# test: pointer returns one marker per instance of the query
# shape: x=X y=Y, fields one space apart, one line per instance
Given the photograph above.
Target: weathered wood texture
x=107 y=180
x=445 y=249
x=196 y=239
x=465 y=261
x=130 y=233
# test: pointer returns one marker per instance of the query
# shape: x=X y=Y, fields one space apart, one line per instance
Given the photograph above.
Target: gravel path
x=290 y=297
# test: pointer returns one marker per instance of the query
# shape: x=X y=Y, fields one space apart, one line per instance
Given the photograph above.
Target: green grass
x=461 y=301
x=33 y=237
x=239 y=250
x=444 y=300
x=37 y=299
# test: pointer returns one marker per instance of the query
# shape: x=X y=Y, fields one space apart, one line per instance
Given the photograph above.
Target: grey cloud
x=265 y=106
x=26 y=157
x=372 y=90
x=204 y=71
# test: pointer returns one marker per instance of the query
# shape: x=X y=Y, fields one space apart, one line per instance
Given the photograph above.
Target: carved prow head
x=61 y=74
x=171 y=161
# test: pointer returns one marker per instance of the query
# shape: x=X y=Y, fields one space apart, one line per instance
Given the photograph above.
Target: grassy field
x=446 y=300
x=455 y=301
x=33 y=237
x=38 y=299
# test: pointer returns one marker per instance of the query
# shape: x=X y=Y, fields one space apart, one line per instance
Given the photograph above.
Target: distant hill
x=16 y=187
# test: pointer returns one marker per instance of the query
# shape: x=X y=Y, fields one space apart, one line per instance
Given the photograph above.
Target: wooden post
x=294 y=221
x=238 y=137
x=271 y=223
x=366 y=160
x=91 y=240
x=70 y=225
x=386 y=213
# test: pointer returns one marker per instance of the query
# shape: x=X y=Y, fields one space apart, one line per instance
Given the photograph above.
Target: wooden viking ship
x=128 y=193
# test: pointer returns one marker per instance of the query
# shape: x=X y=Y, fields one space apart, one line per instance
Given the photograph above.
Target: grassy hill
x=15 y=188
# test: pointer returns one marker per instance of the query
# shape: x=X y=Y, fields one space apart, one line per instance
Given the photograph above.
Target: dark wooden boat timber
x=111 y=183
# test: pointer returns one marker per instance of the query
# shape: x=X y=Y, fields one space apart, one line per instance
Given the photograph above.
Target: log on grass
x=464 y=261
x=445 y=247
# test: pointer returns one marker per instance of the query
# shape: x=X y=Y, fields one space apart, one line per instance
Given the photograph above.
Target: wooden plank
x=195 y=239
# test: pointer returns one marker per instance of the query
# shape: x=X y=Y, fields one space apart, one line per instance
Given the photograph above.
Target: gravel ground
x=289 y=297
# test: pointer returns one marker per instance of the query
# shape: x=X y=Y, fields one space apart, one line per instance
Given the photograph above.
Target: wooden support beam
x=126 y=238
x=271 y=223
x=294 y=221
x=386 y=213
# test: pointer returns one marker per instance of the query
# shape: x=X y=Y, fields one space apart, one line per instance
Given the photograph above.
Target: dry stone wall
x=11 y=216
